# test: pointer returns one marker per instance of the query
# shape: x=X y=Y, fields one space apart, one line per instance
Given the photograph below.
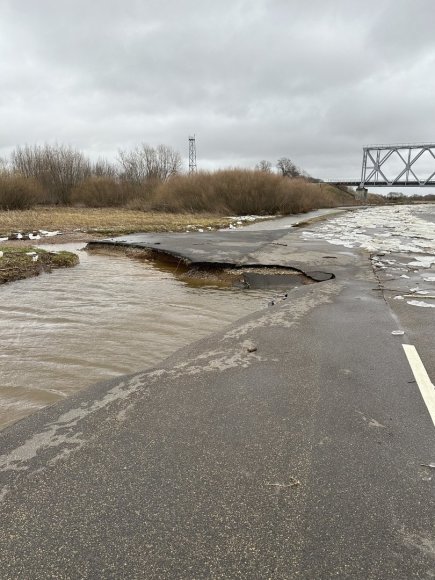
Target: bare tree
x=288 y=168
x=144 y=163
x=169 y=162
x=133 y=165
x=264 y=166
x=103 y=168
x=4 y=166
x=58 y=168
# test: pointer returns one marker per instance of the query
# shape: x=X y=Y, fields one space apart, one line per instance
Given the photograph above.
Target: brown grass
x=201 y=200
x=103 y=191
x=376 y=199
x=104 y=221
x=98 y=191
x=240 y=191
x=230 y=191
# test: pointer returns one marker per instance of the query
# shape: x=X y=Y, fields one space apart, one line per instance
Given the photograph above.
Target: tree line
x=60 y=174
x=59 y=169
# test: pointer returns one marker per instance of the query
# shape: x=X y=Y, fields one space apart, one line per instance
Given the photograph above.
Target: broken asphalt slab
x=235 y=249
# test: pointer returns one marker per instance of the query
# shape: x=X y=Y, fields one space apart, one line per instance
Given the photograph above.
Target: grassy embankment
x=17 y=263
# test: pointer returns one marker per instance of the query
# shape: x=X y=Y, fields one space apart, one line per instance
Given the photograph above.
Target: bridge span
x=394 y=166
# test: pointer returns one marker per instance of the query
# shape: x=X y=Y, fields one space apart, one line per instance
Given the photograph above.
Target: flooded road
x=113 y=315
x=108 y=316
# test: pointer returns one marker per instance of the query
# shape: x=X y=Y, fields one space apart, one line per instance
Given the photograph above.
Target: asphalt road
x=295 y=444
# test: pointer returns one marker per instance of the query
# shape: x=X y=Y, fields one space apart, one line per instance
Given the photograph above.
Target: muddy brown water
x=108 y=316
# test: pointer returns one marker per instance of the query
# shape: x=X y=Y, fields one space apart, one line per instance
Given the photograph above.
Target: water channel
x=108 y=316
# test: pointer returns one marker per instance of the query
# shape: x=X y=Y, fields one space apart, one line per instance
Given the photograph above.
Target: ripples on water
x=108 y=316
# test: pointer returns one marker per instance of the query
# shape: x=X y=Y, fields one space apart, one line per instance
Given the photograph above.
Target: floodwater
x=108 y=316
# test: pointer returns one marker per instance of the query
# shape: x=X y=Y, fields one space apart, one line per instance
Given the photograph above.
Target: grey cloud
x=254 y=79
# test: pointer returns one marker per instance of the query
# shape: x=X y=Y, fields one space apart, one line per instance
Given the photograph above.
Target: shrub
x=111 y=192
x=187 y=193
x=98 y=192
x=240 y=191
x=18 y=192
x=58 y=168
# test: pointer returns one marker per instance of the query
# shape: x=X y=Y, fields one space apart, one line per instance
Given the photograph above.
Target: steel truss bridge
x=375 y=171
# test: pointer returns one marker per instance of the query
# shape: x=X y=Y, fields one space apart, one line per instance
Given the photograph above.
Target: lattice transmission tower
x=192 y=154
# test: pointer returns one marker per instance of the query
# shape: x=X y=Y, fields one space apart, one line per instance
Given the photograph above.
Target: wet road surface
x=293 y=444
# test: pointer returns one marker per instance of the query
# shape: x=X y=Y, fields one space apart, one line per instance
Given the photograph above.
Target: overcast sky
x=313 y=80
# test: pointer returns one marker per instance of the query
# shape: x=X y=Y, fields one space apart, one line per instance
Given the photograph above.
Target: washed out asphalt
x=294 y=444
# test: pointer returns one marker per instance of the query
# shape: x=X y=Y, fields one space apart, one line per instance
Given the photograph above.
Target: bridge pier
x=361 y=193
